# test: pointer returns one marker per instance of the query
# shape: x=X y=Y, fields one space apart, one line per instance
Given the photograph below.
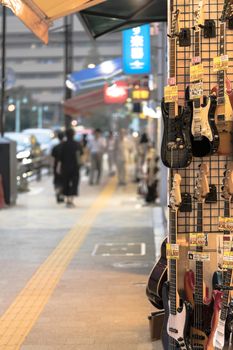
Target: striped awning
x=38 y=15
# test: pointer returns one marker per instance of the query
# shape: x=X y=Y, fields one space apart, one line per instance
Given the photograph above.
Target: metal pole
x=40 y=117
x=68 y=61
x=3 y=77
x=17 y=115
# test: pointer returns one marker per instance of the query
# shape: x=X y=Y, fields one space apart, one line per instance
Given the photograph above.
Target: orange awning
x=38 y=15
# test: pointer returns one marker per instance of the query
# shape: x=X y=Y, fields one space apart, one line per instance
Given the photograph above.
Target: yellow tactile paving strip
x=18 y=320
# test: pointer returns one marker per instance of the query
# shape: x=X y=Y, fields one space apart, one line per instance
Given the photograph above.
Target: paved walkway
x=75 y=278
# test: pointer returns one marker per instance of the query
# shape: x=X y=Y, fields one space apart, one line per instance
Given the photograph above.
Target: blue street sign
x=136 y=50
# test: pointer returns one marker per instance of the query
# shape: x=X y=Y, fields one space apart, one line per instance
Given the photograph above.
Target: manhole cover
x=120 y=249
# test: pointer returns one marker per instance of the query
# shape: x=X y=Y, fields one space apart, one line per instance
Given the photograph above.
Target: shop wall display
x=197 y=148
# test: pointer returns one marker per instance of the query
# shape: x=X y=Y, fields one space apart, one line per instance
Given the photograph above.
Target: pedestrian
x=85 y=157
x=57 y=176
x=70 y=158
x=121 y=155
x=96 y=148
x=110 y=152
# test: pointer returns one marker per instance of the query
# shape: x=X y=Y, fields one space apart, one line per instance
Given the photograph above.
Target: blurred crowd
x=131 y=158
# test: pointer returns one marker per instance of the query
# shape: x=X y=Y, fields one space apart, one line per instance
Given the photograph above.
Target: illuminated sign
x=116 y=93
x=136 y=50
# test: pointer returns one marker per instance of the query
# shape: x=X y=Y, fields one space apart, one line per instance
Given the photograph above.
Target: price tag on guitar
x=198 y=239
x=228 y=260
x=173 y=251
x=196 y=90
x=225 y=224
x=196 y=72
x=220 y=63
x=171 y=93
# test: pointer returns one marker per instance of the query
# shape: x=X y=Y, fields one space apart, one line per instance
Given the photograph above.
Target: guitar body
x=157 y=278
x=224 y=123
x=176 y=144
x=207 y=142
x=176 y=326
x=214 y=335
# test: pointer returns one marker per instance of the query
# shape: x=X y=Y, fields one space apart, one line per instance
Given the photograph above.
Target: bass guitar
x=157 y=278
x=176 y=144
x=217 y=337
x=177 y=313
x=195 y=290
x=224 y=113
x=205 y=139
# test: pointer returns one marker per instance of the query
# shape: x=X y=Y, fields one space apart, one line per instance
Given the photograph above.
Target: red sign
x=116 y=93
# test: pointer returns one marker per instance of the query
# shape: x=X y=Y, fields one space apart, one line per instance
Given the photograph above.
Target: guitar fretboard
x=172 y=108
x=199 y=264
x=173 y=264
x=221 y=74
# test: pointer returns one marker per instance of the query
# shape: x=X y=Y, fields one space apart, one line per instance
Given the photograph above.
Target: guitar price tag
x=225 y=224
x=196 y=72
x=227 y=243
x=220 y=63
x=196 y=90
x=228 y=260
x=198 y=239
x=173 y=251
x=199 y=256
x=171 y=93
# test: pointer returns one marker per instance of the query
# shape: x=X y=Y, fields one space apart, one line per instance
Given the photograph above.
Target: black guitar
x=205 y=138
x=177 y=312
x=176 y=145
x=157 y=278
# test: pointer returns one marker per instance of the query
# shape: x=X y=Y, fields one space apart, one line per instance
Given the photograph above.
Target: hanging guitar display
x=177 y=313
x=205 y=139
x=217 y=338
x=224 y=113
x=202 y=306
x=176 y=145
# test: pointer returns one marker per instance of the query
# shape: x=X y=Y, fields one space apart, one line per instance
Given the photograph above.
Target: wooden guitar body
x=215 y=320
x=224 y=123
x=157 y=278
x=207 y=142
x=176 y=149
x=177 y=326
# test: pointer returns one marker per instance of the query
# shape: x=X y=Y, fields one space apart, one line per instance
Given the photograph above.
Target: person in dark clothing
x=57 y=177
x=71 y=153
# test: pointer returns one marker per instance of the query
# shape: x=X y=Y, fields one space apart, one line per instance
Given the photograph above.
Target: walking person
x=96 y=149
x=121 y=154
x=57 y=177
x=110 y=152
x=70 y=157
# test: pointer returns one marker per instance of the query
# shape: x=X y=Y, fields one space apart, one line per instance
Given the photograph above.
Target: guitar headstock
x=227 y=11
x=175 y=24
x=199 y=17
x=227 y=188
x=202 y=185
x=175 y=195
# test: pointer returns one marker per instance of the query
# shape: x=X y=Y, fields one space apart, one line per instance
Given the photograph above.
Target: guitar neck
x=173 y=264
x=197 y=60
x=199 y=264
x=221 y=74
x=172 y=105
x=227 y=275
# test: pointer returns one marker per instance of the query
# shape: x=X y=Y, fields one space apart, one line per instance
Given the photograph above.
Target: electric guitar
x=195 y=290
x=176 y=144
x=224 y=113
x=205 y=139
x=157 y=278
x=217 y=337
x=177 y=313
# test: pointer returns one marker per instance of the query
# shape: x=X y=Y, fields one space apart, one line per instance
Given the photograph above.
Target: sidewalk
x=99 y=302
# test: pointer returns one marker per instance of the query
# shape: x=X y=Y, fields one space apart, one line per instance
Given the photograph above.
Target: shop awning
x=114 y=15
x=84 y=103
x=38 y=15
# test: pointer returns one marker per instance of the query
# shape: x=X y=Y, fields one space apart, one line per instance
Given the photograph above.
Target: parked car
x=27 y=146
x=45 y=137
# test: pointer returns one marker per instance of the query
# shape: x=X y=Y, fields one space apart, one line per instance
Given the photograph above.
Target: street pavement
x=98 y=302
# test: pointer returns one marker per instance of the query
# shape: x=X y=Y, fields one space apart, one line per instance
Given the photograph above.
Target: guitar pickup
x=221 y=118
x=173 y=330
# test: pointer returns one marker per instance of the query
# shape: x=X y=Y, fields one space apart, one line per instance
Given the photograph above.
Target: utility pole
x=3 y=75
x=68 y=61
